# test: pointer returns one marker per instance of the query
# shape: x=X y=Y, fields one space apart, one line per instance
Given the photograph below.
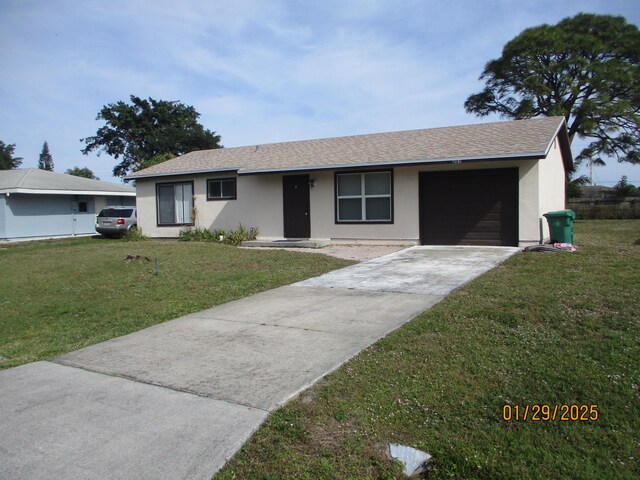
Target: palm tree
x=7 y=160
x=574 y=185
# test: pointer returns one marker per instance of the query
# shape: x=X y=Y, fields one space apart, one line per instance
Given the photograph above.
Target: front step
x=287 y=243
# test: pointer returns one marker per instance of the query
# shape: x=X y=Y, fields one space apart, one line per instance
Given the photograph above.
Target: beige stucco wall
x=529 y=203
x=406 y=226
x=259 y=203
x=551 y=184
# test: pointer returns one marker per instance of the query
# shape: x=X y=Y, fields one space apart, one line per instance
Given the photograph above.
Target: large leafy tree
x=7 y=160
x=586 y=68
x=81 y=172
x=144 y=129
x=45 y=161
x=156 y=159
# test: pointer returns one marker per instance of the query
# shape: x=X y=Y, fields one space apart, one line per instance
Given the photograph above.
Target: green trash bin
x=561 y=225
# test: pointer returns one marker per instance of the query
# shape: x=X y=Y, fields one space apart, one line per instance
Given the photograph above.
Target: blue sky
x=258 y=71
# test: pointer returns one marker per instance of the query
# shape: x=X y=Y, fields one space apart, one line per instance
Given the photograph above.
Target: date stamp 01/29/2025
x=550 y=413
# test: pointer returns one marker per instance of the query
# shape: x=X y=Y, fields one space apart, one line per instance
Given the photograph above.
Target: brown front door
x=472 y=207
x=297 y=222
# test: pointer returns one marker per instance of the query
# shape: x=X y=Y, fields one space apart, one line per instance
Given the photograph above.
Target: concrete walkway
x=178 y=399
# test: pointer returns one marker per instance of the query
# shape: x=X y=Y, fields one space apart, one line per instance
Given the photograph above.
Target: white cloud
x=257 y=70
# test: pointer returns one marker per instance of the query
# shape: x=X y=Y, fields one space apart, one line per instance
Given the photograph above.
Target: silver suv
x=116 y=221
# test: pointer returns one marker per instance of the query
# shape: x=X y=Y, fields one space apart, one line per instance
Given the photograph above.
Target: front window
x=364 y=197
x=175 y=203
x=221 y=189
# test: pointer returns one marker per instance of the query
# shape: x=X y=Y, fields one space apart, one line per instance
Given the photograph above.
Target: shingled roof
x=500 y=140
x=35 y=180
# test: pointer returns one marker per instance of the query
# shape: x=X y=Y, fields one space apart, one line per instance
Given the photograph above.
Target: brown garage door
x=474 y=207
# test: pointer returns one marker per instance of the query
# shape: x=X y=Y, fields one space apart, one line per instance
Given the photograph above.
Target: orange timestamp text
x=550 y=413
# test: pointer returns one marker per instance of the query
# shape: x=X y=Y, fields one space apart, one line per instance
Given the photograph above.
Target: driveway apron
x=176 y=400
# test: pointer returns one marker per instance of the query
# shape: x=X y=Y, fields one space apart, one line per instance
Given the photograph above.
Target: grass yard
x=60 y=295
x=546 y=329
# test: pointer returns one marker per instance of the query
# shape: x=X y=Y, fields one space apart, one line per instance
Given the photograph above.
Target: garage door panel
x=477 y=207
x=485 y=225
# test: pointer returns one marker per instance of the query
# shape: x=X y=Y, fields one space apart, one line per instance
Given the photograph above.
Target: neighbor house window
x=364 y=197
x=221 y=189
x=175 y=203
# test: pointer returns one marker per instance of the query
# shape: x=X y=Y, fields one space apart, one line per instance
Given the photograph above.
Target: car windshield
x=116 y=212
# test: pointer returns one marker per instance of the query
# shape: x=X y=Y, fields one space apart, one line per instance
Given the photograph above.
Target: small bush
x=239 y=235
x=197 y=235
x=134 y=234
x=230 y=237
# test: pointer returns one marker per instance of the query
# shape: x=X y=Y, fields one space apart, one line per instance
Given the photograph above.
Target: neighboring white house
x=482 y=184
x=37 y=203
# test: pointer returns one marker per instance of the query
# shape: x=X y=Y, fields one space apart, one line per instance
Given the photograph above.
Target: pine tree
x=46 y=160
x=585 y=68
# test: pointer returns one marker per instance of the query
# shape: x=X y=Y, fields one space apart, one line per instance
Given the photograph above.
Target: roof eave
x=562 y=135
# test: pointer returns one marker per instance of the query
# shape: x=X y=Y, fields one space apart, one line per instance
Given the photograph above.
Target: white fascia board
x=564 y=145
x=554 y=138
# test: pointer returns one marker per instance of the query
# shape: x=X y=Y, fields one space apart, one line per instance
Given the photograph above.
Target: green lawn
x=60 y=295
x=552 y=329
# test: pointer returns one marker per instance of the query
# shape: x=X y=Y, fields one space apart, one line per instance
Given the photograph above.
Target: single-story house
x=38 y=203
x=482 y=184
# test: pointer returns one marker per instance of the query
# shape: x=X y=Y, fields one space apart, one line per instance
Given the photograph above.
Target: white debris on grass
x=414 y=461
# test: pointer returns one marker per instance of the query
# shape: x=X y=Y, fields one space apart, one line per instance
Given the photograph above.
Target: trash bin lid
x=560 y=213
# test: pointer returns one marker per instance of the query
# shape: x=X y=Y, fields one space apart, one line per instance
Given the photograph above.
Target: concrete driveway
x=178 y=399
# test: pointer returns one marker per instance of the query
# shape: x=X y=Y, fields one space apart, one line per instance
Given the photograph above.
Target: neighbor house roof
x=489 y=141
x=36 y=181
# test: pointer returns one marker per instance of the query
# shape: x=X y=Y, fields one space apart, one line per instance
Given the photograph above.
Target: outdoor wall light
x=312 y=183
